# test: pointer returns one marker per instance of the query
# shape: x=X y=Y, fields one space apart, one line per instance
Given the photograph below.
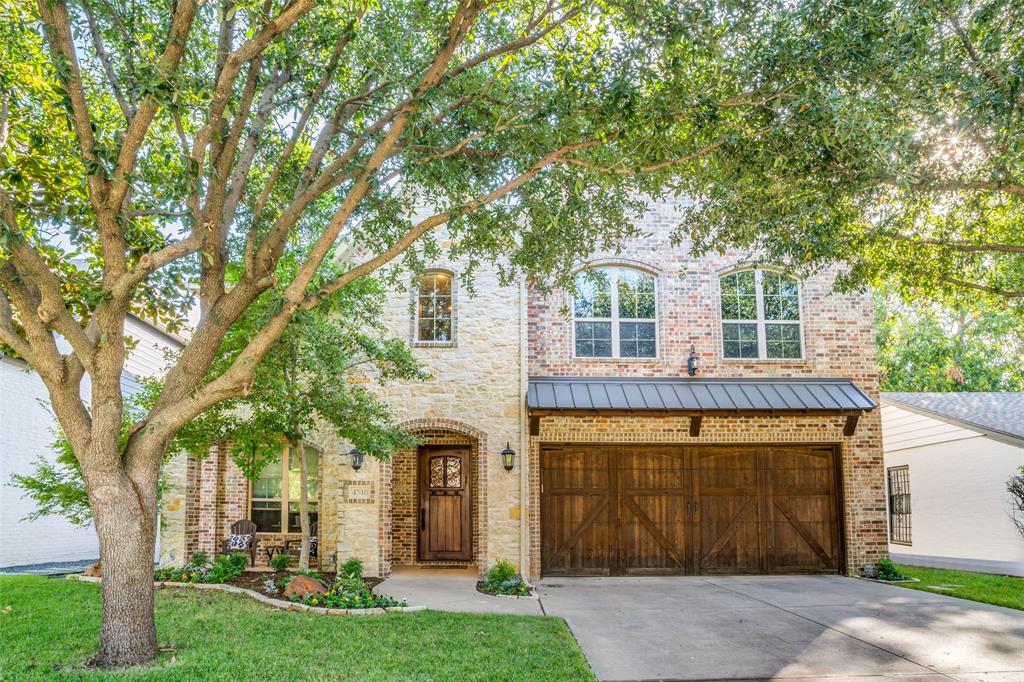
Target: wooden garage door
x=663 y=510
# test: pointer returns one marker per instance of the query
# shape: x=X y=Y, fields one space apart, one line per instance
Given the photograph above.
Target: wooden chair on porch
x=241 y=531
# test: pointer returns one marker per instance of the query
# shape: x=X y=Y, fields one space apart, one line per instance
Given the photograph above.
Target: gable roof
x=997 y=415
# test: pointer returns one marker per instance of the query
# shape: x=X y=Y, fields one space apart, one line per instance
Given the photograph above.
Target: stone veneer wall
x=474 y=394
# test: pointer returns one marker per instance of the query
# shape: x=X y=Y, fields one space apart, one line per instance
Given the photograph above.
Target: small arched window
x=434 y=308
x=760 y=315
x=616 y=314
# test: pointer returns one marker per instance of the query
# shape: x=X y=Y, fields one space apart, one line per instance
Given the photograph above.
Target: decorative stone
x=302 y=585
x=95 y=571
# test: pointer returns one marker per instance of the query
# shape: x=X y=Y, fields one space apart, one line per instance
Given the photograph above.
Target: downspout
x=524 y=438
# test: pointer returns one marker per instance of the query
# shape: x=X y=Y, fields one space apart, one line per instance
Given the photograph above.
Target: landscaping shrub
x=887 y=570
x=200 y=569
x=281 y=562
x=503 y=579
x=352 y=567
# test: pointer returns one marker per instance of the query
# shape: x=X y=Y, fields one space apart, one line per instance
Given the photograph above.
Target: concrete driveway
x=783 y=627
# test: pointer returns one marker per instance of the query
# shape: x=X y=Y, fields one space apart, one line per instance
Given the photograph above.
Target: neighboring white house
x=26 y=433
x=948 y=457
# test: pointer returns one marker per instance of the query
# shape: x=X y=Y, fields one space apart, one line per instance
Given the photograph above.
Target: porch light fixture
x=508 y=457
x=691 y=362
x=357 y=458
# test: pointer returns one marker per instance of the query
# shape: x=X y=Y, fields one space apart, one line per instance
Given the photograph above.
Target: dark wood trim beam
x=534 y=426
x=695 y=422
x=851 y=425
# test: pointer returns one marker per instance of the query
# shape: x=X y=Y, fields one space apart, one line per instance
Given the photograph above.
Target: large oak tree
x=148 y=148
x=897 y=151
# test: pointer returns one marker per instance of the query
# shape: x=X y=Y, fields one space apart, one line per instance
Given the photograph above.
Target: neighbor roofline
x=987 y=431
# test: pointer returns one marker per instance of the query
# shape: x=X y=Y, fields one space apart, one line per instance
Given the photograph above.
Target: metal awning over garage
x=696 y=397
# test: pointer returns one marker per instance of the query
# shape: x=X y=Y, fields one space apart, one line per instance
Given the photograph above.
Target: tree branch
x=982 y=287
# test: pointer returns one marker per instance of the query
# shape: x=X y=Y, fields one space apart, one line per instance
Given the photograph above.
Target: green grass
x=49 y=630
x=1000 y=590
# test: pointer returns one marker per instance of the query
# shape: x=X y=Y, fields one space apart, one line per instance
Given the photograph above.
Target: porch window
x=760 y=315
x=433 y=323
x=274 y=505
x=616 y=314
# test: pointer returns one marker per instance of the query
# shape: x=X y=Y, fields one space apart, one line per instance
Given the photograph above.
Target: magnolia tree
x=149 y=150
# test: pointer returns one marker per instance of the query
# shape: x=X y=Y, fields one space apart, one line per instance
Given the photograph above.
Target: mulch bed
x=254 y=580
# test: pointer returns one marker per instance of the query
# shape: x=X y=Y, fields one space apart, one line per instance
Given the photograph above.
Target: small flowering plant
x=348 y=592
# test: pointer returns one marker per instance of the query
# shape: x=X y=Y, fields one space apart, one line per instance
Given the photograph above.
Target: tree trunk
x=300 y=450
x=124 y=516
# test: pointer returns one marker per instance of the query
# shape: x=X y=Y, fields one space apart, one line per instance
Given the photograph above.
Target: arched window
x=760 y=315
x=616 y=314
x=434 y=308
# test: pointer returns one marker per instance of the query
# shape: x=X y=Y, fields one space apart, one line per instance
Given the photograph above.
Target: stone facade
x=501 y=334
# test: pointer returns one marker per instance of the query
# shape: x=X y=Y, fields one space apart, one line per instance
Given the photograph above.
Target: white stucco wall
x=959 y=503
x=26 y=432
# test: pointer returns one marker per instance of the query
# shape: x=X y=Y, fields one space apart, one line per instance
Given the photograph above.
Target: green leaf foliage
x=933 y=348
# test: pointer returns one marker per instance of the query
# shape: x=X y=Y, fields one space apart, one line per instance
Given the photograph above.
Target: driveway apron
x=783 y=627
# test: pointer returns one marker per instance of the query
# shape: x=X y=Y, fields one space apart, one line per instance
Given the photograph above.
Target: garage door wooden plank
x=653 y=529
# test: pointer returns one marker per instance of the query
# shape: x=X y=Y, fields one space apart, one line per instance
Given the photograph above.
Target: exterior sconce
x=508 y=457
x=691 y=362
x=357 y=458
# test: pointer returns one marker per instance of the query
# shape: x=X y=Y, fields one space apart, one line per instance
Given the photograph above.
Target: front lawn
x=49 y=629
x=1000 y=590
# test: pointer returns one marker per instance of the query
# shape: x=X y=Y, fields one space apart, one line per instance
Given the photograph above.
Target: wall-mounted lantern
x=691 y=362
x=508 y=457
x=357 y=458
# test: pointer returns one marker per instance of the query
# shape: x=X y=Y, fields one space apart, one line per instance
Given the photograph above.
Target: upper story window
x=434 y=308
x=760 y=315
x=616 y=314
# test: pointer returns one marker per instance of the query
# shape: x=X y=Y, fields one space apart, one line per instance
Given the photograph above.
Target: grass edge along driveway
x=987 y=588
x=49 y=629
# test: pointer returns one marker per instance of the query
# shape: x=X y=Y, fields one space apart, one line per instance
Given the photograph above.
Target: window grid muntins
x=760 y=316
x=434 y=308
x=899 y=504
x=615 y=314
x=274 y=496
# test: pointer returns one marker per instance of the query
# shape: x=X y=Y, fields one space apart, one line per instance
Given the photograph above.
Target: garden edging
x=279 y=604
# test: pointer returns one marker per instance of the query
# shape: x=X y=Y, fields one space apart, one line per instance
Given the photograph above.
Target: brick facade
x=476 y=396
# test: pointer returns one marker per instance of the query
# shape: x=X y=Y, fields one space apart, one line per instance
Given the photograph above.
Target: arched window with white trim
x=760 y=315
x=615 y=314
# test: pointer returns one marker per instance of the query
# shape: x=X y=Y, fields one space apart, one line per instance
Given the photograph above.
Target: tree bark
x=300 y=451
x=124 y=513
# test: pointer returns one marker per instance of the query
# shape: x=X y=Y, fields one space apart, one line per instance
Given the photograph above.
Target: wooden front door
x=445 y=528
x=657 y=510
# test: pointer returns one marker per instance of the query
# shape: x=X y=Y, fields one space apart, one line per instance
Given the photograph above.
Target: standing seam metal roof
x=697 y=395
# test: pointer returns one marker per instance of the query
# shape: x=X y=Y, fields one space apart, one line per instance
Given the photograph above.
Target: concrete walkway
x=451 y=589
x=784 y=627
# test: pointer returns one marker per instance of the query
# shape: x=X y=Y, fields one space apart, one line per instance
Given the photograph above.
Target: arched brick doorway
x=400 y=512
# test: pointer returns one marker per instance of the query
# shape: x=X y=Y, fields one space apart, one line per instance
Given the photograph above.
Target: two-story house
x=679 y=415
